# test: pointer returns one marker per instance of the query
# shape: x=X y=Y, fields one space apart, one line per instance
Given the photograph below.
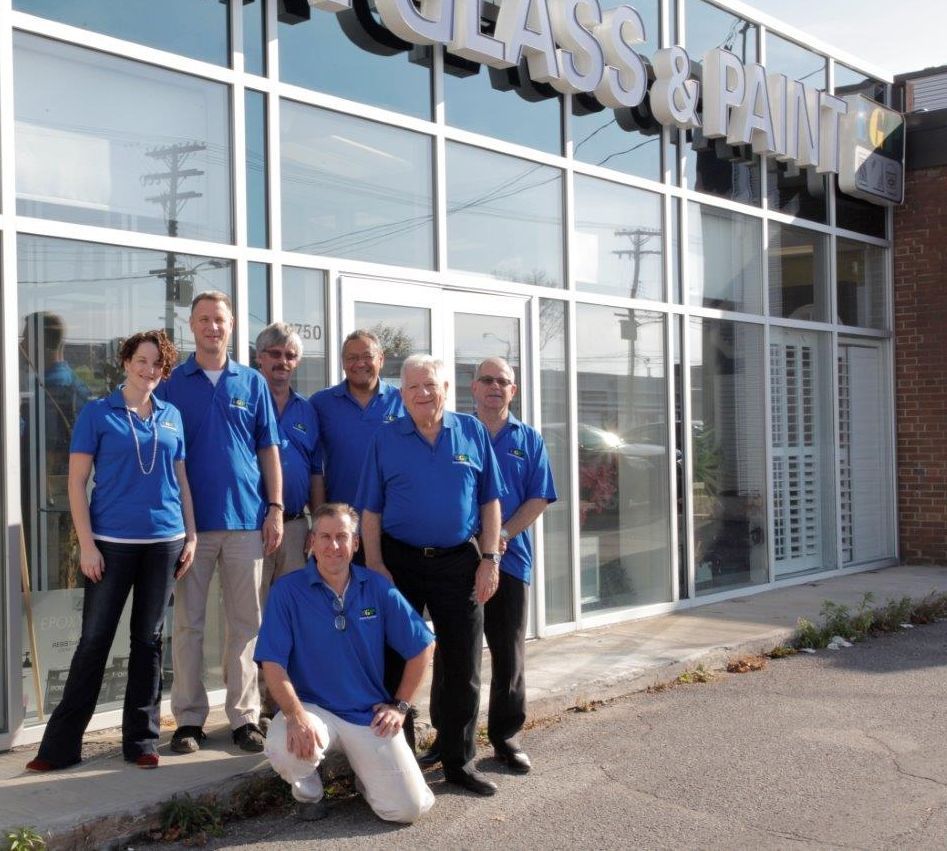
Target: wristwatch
x=504 y=535
x=494 y=557
x=401 y=705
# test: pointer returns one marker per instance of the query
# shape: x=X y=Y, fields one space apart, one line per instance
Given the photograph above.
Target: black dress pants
x=445 y=584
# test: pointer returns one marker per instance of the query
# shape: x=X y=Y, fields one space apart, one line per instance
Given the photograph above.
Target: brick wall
x=920 y=299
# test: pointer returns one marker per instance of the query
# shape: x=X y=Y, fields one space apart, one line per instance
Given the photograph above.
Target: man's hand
x=387 y=721
x=272 y=530
x=302 y=737
x=487 y=580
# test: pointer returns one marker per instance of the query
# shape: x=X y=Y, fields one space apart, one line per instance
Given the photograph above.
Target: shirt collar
x=406 y=424
x=117 y=400
x=384 y=389
x=358 y=573
x=191 y=365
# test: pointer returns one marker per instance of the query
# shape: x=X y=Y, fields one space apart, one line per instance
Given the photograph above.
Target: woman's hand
x=186 y=558
x=91 y=563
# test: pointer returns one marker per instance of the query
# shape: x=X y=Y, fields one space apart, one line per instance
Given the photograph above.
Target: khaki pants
x=385 y=769
x=239 y=557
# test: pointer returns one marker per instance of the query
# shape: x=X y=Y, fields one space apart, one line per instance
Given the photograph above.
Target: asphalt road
x=845 y=749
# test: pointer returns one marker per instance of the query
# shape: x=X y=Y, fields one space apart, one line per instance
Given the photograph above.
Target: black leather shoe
x=471 y=780
x=513 y=756
x=431 y=757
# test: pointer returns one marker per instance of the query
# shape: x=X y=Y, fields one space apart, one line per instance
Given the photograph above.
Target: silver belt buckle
x=427 y=552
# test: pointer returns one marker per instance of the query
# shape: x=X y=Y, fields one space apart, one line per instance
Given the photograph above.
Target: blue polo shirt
x=430 y=496
x=524 y=462
x=224 y=426
x=126 y=504
x=299 y=434
x=340 y=670
x=345 y=429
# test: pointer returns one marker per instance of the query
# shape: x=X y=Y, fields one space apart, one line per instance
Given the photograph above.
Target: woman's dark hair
x=167 y=354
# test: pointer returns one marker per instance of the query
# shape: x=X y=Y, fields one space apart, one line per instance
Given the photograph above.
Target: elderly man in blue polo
x=429 y=489
x=233 y=466
x=322 y=648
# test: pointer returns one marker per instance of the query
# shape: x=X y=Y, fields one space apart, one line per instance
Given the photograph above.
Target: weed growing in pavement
x=695 y=675
x=23 y=839
x=583 y=704
x=781 y=651
x=838 y=619
x=263 y=795
x=183 y=818
x=746 y=664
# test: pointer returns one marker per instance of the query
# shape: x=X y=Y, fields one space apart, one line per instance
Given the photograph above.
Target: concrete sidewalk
x=103 y=800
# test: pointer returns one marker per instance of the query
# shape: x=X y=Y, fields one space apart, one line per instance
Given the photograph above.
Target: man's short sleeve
x=405 y=630
x=275 y=640
x=371 y=494
x=541 y=484
x=267 y=431
x=491 y=484
x=84 y=433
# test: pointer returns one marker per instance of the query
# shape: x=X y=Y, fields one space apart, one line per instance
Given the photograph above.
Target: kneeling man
x=322 y=647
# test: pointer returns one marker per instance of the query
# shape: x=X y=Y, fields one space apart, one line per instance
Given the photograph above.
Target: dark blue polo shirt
x=224 y=426
x=298 y=437
x=345 y=430
x=524 y=463
x=340 y=670
x=430 y=496
x=126 y=504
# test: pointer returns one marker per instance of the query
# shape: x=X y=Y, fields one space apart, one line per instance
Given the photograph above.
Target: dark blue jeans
x=147 y=571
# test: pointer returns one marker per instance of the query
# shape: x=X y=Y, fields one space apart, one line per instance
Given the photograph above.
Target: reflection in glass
x=623 y=470
x=478 y=336
x=354 y=188
x=115 y=143
x=858 y=215
x=798 y=273
x=618 y=245
x=677 y=333
x=728 y=464
x=851 y=82
x=554 y=402
x=802 y=451
x=861 y=284
x=725 y=253
x=505 y=104
x=158 y=25
x=796 y=62
x=714 y=167
x=254 y=36
x=504 y=216
x=402 y=331
x=350 y=55
x=258 y=302
x=77 y=301
x=304 y=307
x=625 y=140
x=258 y=231
x=709 y=26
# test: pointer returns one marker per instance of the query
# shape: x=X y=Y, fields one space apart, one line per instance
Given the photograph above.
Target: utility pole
x=178 y=285
x=639 y=237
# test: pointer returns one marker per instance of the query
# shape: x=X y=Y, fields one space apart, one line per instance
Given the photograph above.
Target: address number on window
x=308 y=332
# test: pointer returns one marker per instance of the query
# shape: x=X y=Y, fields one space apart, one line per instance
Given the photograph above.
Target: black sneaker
x=187 y=739
x=311 y=810
x=249 y=738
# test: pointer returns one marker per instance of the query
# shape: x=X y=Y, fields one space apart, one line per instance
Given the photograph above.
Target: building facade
x=701 y=332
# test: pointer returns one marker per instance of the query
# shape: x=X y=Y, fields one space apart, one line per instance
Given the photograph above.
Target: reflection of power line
x=639 y=238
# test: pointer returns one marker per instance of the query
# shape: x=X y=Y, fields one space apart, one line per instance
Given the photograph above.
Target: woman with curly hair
x=136 y=536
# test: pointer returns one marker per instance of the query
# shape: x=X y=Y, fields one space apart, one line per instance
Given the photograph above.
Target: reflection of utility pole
x=178 y=284
x=639 y=237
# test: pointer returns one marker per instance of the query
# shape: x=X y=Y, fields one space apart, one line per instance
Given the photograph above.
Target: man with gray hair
x=278 y=353
x=429 y=487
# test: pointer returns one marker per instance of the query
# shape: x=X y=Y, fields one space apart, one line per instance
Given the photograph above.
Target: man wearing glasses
x=322 y=647
x=430 y=484
x=349 y=413
x=278 y=350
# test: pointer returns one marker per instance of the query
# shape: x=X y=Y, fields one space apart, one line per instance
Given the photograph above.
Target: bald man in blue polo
x=429 y=489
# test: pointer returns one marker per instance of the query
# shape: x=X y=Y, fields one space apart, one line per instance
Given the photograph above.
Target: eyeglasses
x=489 y=379
x=277 y=354
x=368 y=357
x=340 y=622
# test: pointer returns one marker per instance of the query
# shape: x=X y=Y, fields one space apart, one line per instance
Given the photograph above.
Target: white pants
x=387 y=773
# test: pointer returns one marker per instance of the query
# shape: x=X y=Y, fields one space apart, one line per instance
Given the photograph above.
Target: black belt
x=288 y=517
x=427 y=552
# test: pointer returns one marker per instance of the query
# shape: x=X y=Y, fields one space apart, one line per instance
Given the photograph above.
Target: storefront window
x=205 y=35
x=795 y=191
x=504 y=103
x=725 y=252
x=304 y=307
x=77 y=301
x=710 y=27
x=851 y=82
x=861 y=284
x=554 y=402
x=254 y=36
x=625 y=140
x=623 y=467
x=354 y=188
x=618 y=244
x=798 y=274
x=504 y=216
x=258 y=302
x=115 y=143
x=728 y=455
x=350 y=55
x=258 y=230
